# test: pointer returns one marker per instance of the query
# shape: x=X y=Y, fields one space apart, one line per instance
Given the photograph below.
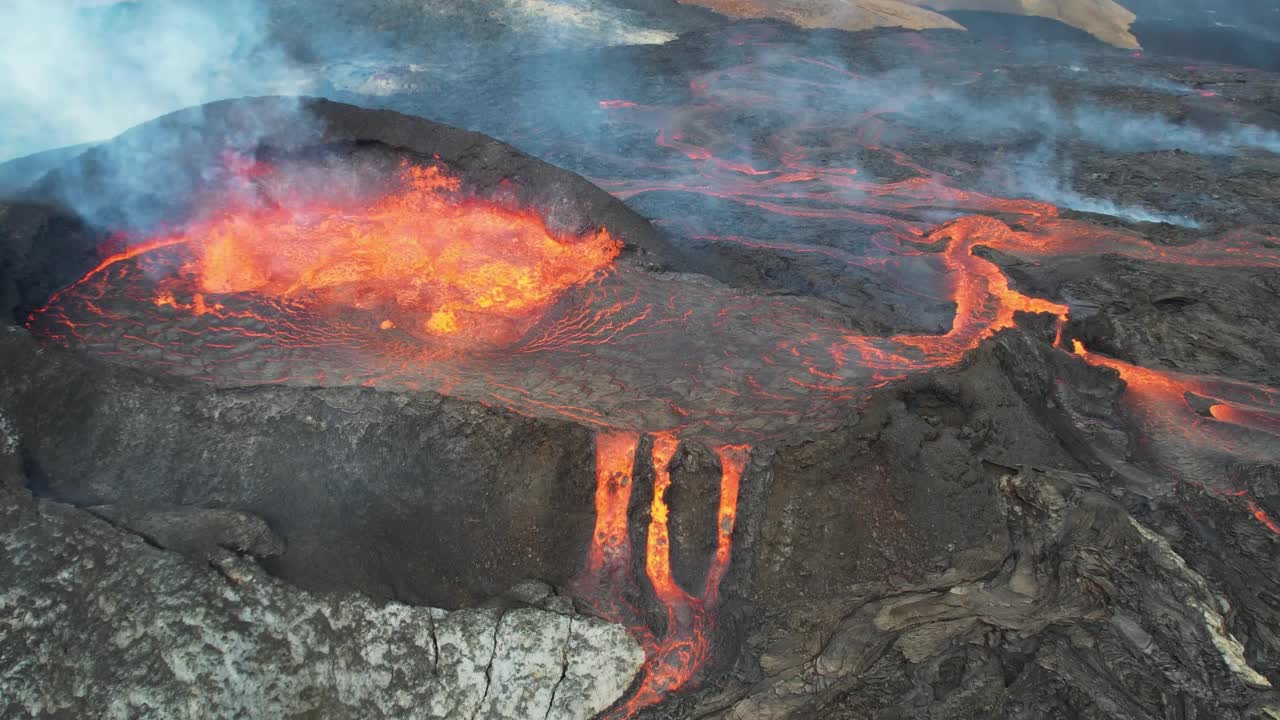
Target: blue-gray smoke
x=74 y=71
x=1039 y=176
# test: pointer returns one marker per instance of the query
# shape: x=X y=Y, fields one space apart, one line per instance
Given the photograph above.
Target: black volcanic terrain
x=855 y=375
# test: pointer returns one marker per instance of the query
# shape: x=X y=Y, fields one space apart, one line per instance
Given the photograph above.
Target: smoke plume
x=74 y=71
x=1041 y=176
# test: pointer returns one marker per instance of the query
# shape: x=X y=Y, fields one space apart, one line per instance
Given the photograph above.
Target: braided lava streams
x=685 y=645
x=425 y=289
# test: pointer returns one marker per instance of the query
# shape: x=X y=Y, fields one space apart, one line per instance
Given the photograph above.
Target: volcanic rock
x=1157 y=318
x=201 y=533
x=1104 y=19
x=404 y=497
x=96 y=621
x=896 y=593
x=839 y=14
x=1062 y=621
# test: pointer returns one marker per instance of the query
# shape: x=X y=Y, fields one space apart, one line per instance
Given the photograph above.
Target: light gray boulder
x=97 y=622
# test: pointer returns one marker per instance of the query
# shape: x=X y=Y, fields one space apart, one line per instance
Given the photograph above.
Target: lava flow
x=683 y=649
x=423 y=288
x=1195 y=408
x=1179 y=412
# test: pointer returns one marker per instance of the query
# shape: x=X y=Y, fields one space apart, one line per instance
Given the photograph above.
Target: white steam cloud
x=1035 y=113
x=1039 y=176
x=74 y=71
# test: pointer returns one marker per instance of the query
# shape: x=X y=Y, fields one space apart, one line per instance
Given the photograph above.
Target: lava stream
x=1167 y=405
x=684 y=648
x=610 y=544
x=1166 y=399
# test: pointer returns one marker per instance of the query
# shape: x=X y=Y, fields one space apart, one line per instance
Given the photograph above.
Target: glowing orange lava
x=1163 y=396
x=1161 y=399
x=985 y=302
x=421 y=258
x=610 y=544
x=684 y=648
x=1265 y=421
x=733 y=460
x=1261 y=516
x=657 y=561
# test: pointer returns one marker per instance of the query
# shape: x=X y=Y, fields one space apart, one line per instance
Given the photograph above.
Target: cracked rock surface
x=1002 y=560
x=96 y=622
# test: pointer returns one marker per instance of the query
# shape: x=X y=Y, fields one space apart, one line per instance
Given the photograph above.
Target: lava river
x=424 y=288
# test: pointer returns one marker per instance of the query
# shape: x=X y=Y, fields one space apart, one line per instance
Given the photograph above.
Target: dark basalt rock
x=199 y=533
x=976 y=548
x=418 y=498
x=1087 y=613
x=96 y=621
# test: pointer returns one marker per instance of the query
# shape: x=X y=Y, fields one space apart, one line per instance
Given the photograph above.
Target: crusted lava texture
x=980 y=546
x=411 y=497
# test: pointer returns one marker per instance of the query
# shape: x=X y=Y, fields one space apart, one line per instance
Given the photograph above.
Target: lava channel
x=684 y=648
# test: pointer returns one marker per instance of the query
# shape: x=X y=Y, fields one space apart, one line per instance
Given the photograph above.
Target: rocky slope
x=406 y=498
x=839 y=14
x=96 y=621
x=971 y=551
x=1104 y=19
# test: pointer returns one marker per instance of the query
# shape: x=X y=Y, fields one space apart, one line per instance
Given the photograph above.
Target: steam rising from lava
x=1033 y=112
x=464 y=274
x=1039 y=176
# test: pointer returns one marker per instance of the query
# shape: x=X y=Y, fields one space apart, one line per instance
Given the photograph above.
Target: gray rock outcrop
x=97 y=622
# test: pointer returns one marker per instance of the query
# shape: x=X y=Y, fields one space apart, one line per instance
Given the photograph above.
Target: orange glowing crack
x=130 y=253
